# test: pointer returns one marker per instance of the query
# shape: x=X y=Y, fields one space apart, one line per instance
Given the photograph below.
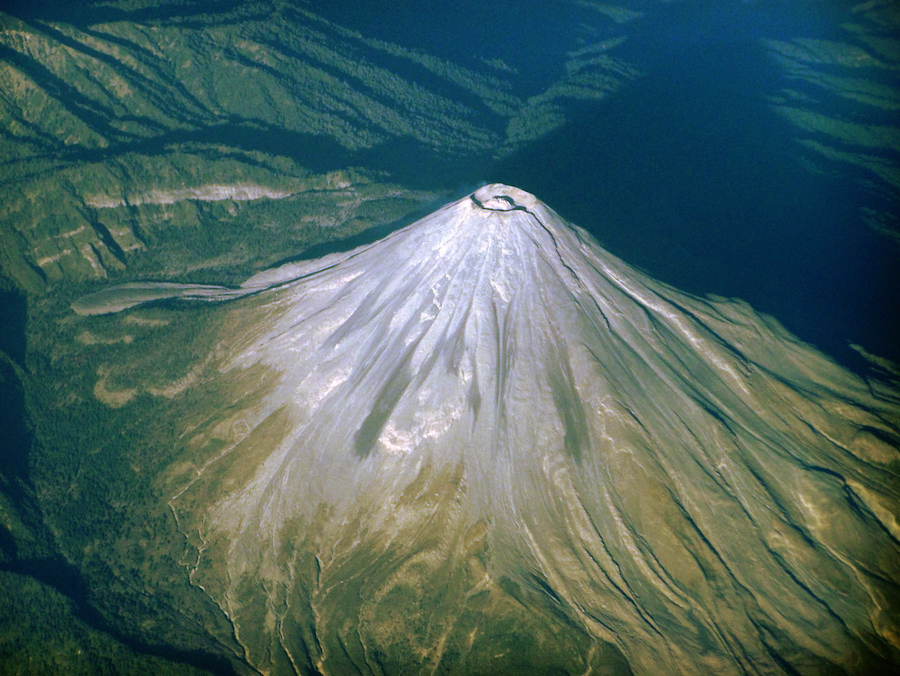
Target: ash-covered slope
x=485 y=443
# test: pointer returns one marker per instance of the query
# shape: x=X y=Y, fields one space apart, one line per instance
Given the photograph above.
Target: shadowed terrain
x=268 y=406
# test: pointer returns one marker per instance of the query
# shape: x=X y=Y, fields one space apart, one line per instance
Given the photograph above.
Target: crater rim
x=502 y=197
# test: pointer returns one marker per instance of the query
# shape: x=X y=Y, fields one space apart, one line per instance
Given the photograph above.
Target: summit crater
x=501 y=197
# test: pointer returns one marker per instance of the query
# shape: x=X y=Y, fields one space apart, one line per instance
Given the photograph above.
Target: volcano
x=484 y=444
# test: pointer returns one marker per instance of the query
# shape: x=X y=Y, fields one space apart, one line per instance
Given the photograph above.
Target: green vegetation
x=41 y=633
x=96 y=473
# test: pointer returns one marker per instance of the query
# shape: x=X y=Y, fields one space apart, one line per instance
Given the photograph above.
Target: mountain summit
x=485 y=444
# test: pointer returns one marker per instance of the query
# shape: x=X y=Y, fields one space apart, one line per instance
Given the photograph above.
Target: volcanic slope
x=484 y=444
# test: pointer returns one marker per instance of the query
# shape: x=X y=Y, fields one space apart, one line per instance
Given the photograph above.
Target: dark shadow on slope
x=415 y=165
x=13 y=315
x=532 y=36
x=690 y=176
x=87 y=12
x=65 y=578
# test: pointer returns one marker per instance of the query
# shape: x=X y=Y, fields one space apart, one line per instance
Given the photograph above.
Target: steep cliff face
x=483 y=442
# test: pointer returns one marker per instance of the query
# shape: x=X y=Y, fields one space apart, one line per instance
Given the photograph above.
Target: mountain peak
x=502 y=197
x=645 y=463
